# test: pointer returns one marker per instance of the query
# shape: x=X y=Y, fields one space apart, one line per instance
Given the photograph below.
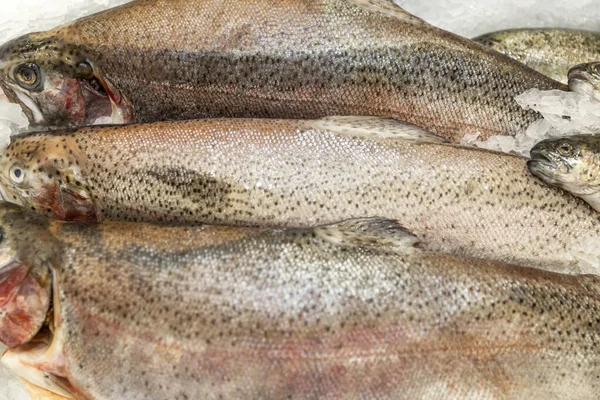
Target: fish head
x=585 y=79
x=30 y=321
x=43 y=173
x=57 y=83
x=27 y=251
x=571 y=163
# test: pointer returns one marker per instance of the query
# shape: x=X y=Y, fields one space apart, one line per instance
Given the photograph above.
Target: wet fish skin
x=361 y=57
x=303 y=173
x=345 y=311
x=550 y=51
x=571 y=163
x=585 y=79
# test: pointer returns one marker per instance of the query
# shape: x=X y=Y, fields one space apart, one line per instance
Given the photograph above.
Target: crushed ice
x=563 y=113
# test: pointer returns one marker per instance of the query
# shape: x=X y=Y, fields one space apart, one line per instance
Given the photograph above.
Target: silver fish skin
x=550 y=51
x=303 y=173
x=348 y=311
x=156 y=60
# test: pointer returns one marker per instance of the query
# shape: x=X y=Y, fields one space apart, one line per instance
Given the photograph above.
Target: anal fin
x=375 y=127
x=383 y=234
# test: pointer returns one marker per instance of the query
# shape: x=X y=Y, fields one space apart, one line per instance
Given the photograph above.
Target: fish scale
x=283 y=59
x=302 y=173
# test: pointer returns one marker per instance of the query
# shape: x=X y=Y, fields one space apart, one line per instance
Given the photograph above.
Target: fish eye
x=85 y=70
x=565 y=149
x=17 y=174
x=28 y=76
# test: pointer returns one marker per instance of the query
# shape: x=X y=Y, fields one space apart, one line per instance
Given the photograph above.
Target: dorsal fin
x=388 y=8
x=375 y=127
x=385 y=234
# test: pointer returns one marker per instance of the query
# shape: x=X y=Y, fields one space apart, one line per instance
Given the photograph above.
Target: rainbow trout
x=551 y=51
x=156 y=60
x=303 y=173
x=351 y=310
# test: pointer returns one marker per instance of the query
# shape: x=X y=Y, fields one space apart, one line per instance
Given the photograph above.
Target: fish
x=550 y=51
x=570 y=163
x=351 y=310
x=278 y=173
x=584 y=79
x=157 y=60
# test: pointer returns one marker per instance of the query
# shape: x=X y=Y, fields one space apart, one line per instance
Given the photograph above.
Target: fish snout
x=583 y=82
x=545 y=170
x=541 y=156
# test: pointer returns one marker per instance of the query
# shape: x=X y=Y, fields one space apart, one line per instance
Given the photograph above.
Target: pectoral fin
x=375 y=127
x=383 y=234
x=33 y=362
x=38 y=393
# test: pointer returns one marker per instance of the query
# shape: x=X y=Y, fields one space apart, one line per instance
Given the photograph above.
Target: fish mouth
x=580 y=74
x=582 y=82
x=546 y=165
x=28 y=106
x=31 y=110
x=6 y=195
x=544 y=157
x=544 y=170
x=24 y=303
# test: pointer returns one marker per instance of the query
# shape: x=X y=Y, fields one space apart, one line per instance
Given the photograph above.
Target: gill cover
x=27 y=251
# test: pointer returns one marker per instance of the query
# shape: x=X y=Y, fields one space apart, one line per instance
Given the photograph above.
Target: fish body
x=303 y=173
x=550 y=51
x=350 y=310
x=571 y=163
x=585 y=79
x=156 y=60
